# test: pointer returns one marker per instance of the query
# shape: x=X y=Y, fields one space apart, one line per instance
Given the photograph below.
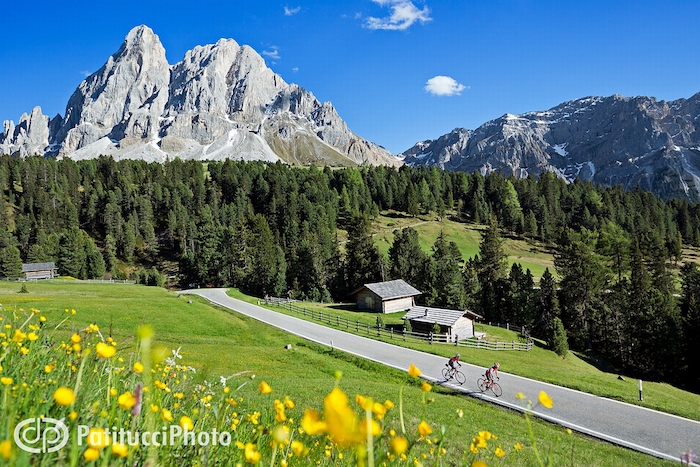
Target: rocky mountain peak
x=220 y=101
x=636 y=141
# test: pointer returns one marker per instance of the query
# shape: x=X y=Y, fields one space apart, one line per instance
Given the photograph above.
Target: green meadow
x=218 y=343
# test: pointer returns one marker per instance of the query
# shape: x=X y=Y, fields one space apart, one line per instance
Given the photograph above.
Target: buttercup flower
x=120 y=450
x=91 y=454
x=545 y=400
x=105 y=350
x=398 y=445
x=499 y=452
x=413 y=371
x=6 y=449
x=138 y=367
x=264 y=388
x=126 y=401
x=186 y=423
x=312 y=424
x=424 y=429
x=426 y=387
x=64 y=396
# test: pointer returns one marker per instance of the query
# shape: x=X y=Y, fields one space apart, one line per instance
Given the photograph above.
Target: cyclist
x=492 y=372
x=452 y=362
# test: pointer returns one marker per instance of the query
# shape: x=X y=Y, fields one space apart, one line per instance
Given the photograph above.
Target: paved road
x=649 y=431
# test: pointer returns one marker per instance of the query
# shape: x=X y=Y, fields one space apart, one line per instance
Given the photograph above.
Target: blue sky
x=397 y=71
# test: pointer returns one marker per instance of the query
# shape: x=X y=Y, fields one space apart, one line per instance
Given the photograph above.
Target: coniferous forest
x=620 y=288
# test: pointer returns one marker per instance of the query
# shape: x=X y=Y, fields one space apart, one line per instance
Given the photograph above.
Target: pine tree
x=491 y=268
x=557 y=338
x=10 y=262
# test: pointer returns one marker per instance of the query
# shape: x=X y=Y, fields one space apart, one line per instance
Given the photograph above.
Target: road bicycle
x=484 y=384
x=449 y=373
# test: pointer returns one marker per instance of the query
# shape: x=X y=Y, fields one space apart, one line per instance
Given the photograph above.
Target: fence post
x=357 y=326
x=392 y=333
x=430 y=337
x=367 y=328
x=320 y=315
x=507 y=326
x=337 y=321
x=404 y=334
x=456 y=339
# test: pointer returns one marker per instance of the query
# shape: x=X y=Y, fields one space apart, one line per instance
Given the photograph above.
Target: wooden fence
x=389 y=332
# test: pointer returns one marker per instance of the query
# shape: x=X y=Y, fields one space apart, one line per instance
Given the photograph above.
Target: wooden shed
x=33 y=271
x=386 y=297
x=455 y=324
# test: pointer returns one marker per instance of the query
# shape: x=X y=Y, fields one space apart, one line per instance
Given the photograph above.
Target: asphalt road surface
x=648 y=431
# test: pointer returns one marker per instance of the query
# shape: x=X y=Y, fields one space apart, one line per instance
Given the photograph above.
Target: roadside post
x=641 y=398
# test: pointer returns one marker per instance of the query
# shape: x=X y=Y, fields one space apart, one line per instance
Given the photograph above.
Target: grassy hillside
x=218 y=343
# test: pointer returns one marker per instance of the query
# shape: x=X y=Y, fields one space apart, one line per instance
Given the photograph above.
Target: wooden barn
x=455 y=324
x=386 y=297
x=33 y=271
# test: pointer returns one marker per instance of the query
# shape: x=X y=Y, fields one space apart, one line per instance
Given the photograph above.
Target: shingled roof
x=442 y=316
x=391 y=289
x=33 y=267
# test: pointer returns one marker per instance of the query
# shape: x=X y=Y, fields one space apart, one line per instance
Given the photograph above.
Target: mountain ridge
x=221 y=101
x=632 y=141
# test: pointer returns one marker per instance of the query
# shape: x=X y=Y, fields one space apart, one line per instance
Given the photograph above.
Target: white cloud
x=444 y=86
x=295 y=69
x=273 y=53
x=291 y=11
x=403 y=14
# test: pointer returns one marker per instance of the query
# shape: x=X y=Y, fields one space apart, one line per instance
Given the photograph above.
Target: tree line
x=274 y=229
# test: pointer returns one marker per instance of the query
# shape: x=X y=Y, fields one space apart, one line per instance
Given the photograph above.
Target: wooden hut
x=386 y=297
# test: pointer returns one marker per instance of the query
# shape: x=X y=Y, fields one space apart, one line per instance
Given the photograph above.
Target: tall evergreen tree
x=491 y=267
x=363 y=262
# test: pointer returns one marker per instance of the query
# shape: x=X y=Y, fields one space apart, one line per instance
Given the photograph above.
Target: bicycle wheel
x=481 y=384
x=461 y=379
x=446 y=374
x=496 y=388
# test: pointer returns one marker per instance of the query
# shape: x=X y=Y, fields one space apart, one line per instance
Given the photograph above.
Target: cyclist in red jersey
x=492 y=372
x=452 y=362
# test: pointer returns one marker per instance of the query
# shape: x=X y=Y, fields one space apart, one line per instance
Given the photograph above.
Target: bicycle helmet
x=456 y=355
x=497 y=365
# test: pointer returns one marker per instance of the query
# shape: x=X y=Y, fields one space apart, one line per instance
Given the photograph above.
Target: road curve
x=645 y=430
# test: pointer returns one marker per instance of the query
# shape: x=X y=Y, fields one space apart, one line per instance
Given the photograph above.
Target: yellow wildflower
x=298 y=448
x=312 y=424
x=112 y=392
x=520 y=396
x=19 y=336
x=264 y=388
x=342 y=422
x=479 y=463
x=105 y=350
x=388 y=404
x=398 y=445
x=545 y=400
x=64 y=396
x=126 y=401
x=98 y=438
x=499 y=452
x=75 y=338
x=138 y=367
x=6 y=449
x=166 y=415
x=413 y=371
x=32 y=336
x=252 y=456
x=379 y=410
x=288 y=403
x=120 y=450
x=49 y=368
x=186 y=423
x=424 y=429
x=426 y=387
x=518 y=447
x=91 y=454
